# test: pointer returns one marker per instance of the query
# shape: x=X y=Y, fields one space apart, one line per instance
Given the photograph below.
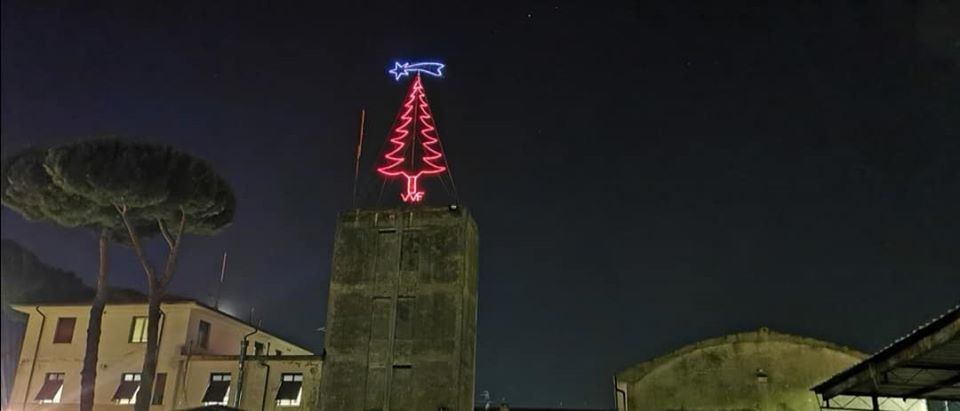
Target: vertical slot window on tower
x=404 y=320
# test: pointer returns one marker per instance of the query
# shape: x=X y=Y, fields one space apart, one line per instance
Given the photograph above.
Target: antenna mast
x=356 y=167
x=223 y=271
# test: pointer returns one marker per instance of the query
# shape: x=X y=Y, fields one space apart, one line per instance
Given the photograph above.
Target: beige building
x=199 y=362
x=758 y=370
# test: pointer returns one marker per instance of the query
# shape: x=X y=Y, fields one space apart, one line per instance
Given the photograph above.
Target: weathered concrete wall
x=760 y=370
x=401 y=317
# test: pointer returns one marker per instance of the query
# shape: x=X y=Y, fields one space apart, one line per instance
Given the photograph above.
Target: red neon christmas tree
x=415 y=150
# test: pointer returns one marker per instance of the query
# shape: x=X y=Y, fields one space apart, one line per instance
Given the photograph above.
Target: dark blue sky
x=644 y=174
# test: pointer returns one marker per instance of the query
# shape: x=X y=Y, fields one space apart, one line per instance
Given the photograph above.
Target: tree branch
x=165 y=233
x=175 y=250
x=137 y=247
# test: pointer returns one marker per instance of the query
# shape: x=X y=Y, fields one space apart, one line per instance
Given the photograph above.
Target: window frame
x=203 y=334
x=53 y=376
x=159 y=388
x=290 y=377
x=218 y=377
x=58 y=337
x=143 y=331
x=127 y=377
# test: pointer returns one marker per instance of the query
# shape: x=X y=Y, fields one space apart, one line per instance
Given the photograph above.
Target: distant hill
x=26 y=279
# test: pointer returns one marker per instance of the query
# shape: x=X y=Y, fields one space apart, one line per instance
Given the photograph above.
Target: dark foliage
x=27 y=280
x=155 y=182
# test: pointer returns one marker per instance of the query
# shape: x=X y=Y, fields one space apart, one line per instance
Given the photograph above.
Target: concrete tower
x=402 y=311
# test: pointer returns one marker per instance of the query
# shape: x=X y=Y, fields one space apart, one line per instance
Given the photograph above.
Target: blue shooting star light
x=404 y=69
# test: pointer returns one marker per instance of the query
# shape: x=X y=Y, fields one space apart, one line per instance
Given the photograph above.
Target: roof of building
x=922 y=364
x=295 y=357
x=133 y=297
x=638 y=371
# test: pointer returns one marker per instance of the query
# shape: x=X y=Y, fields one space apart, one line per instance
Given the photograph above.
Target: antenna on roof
x=223 y=271
x=356 y=164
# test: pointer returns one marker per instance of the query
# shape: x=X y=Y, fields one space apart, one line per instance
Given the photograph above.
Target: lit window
x=138 y=330
x=64 y=332
x=128 y=389
x=291 y=386
x=52 y=388
x=218 y=391
x=203 y=334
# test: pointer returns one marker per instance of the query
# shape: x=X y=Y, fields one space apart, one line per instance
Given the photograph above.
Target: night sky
x=644 y=175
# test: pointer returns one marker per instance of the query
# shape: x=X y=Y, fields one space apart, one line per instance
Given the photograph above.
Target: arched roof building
x=758 y=370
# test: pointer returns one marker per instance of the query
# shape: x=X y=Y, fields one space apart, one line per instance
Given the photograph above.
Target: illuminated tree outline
x=401 y=160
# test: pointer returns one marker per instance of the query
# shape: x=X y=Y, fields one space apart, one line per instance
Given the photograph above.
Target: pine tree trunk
x=88 y=376
x=157 y=288
x=145 y=395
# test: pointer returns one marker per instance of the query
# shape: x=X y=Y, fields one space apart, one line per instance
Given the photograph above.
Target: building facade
x=759 y=370
x=198 y=361
x=402 y=311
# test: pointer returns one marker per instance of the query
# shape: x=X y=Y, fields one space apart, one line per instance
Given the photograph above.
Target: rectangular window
x=138 y=330
x=257 y=348
x=128 y=389
x=203 y=334
x=64 y=333
x=401 y=388
x=218 y=390
x=404 y=320
x=52 y=389
x=291 y=386
x=159 y=386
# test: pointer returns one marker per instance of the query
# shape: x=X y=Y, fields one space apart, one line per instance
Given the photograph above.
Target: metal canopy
x=924 y=364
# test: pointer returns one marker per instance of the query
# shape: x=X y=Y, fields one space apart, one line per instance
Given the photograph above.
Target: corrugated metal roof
x=922 y=364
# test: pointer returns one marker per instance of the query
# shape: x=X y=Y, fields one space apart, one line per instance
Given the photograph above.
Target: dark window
x=65 y=326
x=138 y=330
x=203 y=334
x=257 y=348
x=380 y=323
x=410 y=252
x=288 y=395
x=278 y=353
x=129 y=386
x=401 y=388
x=159 y=386
x=51 y=389
x=404 y=320
x=218 y=390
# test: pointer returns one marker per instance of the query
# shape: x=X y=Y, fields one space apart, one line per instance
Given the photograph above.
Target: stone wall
x=401 y=318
